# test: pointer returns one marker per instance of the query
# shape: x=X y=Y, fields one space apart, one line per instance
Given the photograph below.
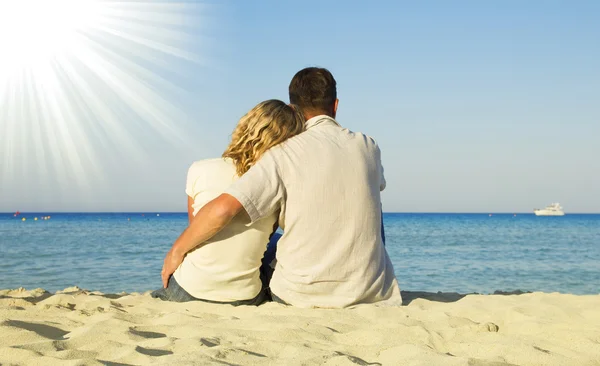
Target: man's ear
x=335 y=106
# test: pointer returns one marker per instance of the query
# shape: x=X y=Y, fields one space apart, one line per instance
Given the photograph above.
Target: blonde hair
x=266 y=125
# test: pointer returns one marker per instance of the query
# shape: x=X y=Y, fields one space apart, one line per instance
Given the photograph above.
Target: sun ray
x=80 y=79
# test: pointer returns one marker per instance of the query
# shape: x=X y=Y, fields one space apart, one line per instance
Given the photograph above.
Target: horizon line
x=385 y=212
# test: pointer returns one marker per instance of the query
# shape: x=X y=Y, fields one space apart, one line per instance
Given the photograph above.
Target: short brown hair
x=314 y=91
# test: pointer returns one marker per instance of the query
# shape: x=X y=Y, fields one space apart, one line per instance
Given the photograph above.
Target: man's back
x=326 y=182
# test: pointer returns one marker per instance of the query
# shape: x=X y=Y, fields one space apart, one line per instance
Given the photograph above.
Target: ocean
x=116 y=252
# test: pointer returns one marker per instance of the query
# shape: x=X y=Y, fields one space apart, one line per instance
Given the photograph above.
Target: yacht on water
x=553 y=209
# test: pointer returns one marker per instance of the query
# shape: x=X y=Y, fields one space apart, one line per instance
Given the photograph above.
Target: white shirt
x=227 y=268
x=326 y=182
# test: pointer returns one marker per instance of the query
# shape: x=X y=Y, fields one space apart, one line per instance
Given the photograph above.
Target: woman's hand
x=172 y=261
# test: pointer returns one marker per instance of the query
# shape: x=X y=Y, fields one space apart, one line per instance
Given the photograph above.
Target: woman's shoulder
x=207 y=173
x=212 y=164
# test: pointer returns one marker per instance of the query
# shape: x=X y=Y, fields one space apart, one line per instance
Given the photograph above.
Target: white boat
x=553 y=209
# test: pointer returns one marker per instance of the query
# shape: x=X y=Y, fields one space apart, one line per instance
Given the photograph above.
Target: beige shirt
x=229 y=269
x=326 y=182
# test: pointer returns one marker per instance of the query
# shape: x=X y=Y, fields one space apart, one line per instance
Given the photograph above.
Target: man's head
x=314 y=91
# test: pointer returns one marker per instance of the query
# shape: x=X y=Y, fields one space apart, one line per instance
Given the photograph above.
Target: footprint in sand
x=488 y=327
x=210 y=342
x=43 y=330
x=145 y=334
x=153 y=352
x=457 y=322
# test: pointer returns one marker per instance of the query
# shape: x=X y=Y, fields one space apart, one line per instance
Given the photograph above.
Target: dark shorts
x=174 y=292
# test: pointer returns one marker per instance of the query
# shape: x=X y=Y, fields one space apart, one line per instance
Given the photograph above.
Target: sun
x=79 y=78
x=34 y=32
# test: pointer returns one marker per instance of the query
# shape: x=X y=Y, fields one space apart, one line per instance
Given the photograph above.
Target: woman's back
x=227 y=268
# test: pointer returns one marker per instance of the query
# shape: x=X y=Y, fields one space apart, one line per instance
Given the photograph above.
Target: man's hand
x=172 y=261
x=208 y=221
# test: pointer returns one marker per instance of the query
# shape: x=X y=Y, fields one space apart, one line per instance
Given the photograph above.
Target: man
x=325 y=183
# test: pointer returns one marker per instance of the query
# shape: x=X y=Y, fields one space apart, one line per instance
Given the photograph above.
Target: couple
x=294 y=167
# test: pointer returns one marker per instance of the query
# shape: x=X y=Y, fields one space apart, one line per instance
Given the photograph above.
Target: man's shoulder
x=316 y=137
x=360 y=138
x=339 y=131
x=368 y=139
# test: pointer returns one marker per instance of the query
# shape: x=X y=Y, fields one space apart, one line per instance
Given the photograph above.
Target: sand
x=78 y=327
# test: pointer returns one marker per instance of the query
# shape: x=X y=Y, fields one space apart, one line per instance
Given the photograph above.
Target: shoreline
x=430 y=329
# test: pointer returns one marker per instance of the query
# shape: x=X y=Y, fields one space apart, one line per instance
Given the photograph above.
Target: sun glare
x=78 y=77
x=36 y=31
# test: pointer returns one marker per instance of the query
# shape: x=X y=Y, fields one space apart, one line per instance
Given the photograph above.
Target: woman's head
x=266 y=125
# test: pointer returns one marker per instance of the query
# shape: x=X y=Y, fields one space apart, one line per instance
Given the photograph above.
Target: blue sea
x=115 y=252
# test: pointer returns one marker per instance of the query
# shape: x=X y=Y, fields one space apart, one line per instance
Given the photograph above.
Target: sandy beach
x=77 y=327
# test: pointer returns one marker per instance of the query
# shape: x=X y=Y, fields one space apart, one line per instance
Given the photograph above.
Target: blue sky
x=477 y=106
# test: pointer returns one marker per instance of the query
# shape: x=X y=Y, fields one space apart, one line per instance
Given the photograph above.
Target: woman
x=228 y=271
